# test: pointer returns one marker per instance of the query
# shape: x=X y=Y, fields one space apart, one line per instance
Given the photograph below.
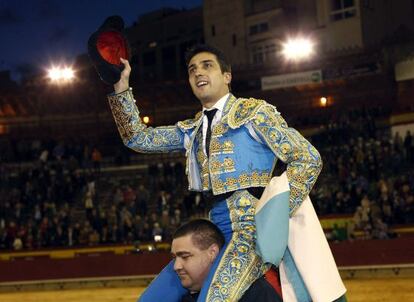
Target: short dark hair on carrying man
x=225 y=65
x=204 y=233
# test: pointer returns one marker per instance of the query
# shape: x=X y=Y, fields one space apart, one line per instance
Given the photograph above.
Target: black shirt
x=259 y=291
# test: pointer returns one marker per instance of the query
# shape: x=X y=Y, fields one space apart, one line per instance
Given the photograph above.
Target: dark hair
x=225 y=65
x=204 y=233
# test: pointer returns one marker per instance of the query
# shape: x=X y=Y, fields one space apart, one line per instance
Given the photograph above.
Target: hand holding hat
x=106 y=47
x=123 y=83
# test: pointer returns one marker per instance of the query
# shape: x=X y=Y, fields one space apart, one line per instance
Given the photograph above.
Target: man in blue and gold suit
x=231 y=146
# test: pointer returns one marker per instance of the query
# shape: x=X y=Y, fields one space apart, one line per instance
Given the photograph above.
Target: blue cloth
x=272 y=228
x=165 y=287
x=302 y=294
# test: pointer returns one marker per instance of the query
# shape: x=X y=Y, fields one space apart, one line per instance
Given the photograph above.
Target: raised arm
x=134 y=133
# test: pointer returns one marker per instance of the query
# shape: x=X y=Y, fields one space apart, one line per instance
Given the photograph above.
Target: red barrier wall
x=95 y=265
x=374 y=252
x=360 y=252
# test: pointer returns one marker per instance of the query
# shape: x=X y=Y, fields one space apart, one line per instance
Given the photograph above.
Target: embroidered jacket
x=237 y=160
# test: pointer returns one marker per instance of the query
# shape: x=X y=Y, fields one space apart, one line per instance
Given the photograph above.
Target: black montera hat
x=106 y=46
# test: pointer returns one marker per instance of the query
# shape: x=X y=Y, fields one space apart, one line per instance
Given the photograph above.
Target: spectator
x=17 y=244
x=88 y=205
x=142 y=199
x=408 y=146
x=96 y=159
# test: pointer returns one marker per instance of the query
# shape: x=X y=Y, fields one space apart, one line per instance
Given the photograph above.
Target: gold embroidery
x=227 y=147
x=216 y=167
x=190 y=123
x=255 y=179
x=239 y=266
x=244 y=180
x=285 y=148
x=135 y=134
x=231 y=184
x=206 y=186
x=242 y=111
x=303 y=160
x=202 y=162
x=228 y=165
x=215 y=147
x=227 y=107
x=244 y=202
x=218 y=130
x=217 y=184
x=200 y=155
x=264 y=179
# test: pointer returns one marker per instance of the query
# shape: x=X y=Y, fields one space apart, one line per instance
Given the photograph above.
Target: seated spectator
x=96 y=159
x=381 y=230
x=17 y=244
x=339 y=233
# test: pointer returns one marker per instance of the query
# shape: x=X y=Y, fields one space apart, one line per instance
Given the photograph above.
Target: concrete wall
x=381 y=19
x=338 y=36
x=164 y=35
x=224 y=20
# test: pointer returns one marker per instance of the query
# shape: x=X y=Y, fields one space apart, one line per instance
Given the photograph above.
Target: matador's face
x=207 y=80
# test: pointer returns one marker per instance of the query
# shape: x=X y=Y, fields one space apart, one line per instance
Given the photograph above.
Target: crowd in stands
x=76 y=152
x=62 y=197
x=367 y=173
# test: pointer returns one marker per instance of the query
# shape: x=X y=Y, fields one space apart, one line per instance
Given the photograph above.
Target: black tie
x=210 y=115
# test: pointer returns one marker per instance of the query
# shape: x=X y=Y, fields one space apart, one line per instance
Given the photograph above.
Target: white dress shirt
x=219 y=105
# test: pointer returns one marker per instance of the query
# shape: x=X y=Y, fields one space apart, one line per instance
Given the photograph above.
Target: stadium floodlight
x=61 y=74
x=68 y=74
x=54 y=73
x=323 y=101
x=146 y=119
x=297 y=49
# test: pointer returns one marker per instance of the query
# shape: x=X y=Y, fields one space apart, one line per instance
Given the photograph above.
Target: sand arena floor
x=359 y=290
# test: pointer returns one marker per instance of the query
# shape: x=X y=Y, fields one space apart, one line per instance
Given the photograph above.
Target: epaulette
x=190 y=123
x=242 y=111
